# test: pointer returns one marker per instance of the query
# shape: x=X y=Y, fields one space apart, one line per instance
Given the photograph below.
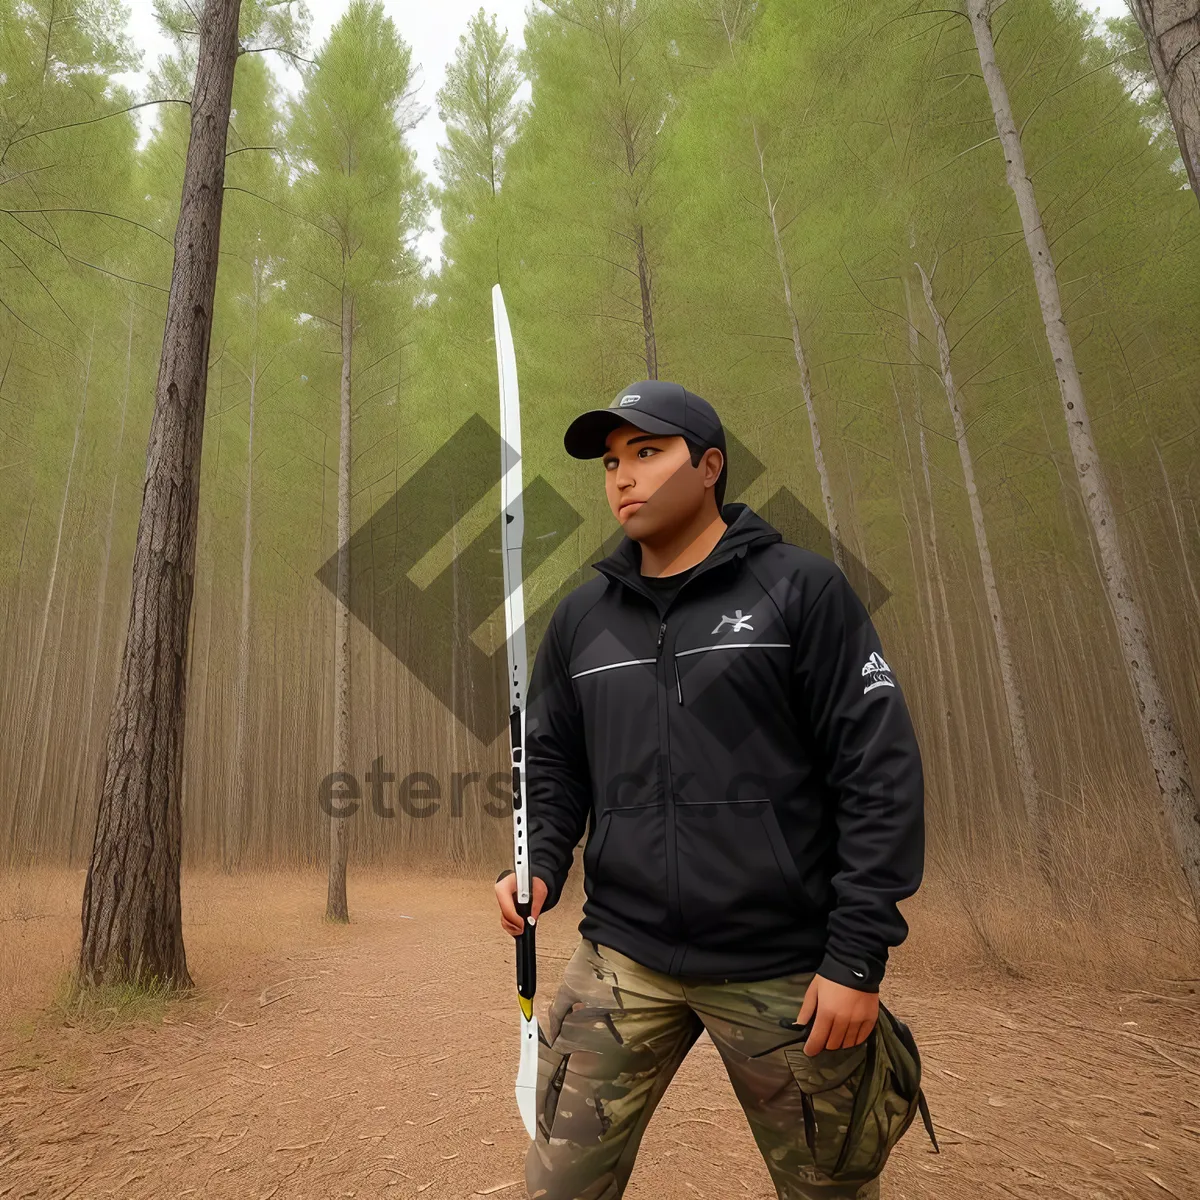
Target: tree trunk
x=1177 y=799
x=52 y=735
x=132 y=928
x=1172 y=32
x=85 y=783
x=239 y=785
x=924 y=588
x=647 y=307
x=735 y=26
x=336 y=908
x=24 y=742
x=835 y=537
x=961 y=720
x=643 y=262
x=1015 y=708
x=1180 y=538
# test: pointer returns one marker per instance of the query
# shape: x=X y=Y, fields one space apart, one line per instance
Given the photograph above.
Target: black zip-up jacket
x=742 y=757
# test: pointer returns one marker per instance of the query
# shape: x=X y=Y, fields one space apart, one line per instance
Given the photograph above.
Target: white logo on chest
x=737 y=622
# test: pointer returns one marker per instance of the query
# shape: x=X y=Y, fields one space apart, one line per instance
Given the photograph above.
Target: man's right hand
x=506 y=896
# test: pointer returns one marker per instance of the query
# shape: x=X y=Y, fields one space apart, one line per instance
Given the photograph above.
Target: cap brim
x=585 y=436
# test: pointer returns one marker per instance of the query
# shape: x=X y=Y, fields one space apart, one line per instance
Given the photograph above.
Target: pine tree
x=362 y=201
x=132 y=926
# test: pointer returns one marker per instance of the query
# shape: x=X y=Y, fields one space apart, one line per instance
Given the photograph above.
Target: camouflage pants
x=616 y=1034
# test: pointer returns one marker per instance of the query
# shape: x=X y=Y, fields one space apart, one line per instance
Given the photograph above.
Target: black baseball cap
x=657 y=406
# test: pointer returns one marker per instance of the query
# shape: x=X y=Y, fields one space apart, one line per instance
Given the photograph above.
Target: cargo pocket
x=552 y=1070
x=859 y=1102
x=832 y=1093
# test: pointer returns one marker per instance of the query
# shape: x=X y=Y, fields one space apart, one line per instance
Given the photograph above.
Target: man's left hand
x=844 y=1016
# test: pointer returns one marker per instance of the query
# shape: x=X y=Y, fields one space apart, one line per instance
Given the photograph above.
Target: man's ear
x=714 y=455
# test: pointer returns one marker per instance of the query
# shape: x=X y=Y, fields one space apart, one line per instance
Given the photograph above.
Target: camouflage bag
x=885 y=1082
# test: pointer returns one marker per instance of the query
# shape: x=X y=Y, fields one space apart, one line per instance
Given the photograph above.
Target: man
x=715 y=706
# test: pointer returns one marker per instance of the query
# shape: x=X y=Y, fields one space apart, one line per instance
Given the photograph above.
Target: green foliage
x=356 y=184
x=478 y=104
x=1131 y=61
x=262 y=24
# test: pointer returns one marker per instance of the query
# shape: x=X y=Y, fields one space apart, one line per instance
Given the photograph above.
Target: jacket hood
x=744 y=528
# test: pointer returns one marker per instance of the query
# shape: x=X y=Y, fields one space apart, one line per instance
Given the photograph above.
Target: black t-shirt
x=665 y=586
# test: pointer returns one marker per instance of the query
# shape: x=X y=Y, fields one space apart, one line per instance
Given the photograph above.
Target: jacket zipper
x=676 y=915
x=663 y=626
x=668 y=794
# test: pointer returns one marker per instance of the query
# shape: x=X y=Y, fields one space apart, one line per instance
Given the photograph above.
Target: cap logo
x=633 y=398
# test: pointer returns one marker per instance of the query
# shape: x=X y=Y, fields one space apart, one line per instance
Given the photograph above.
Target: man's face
x=650 y=481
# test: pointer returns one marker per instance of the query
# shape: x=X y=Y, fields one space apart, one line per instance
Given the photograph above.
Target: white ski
x=512 y=529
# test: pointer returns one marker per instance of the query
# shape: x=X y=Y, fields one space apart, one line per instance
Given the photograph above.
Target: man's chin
x=642 y=527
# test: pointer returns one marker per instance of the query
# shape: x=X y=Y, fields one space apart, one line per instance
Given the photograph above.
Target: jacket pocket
x=595 y=845
x=784 y=858
x=628 y=869
x=736 y=885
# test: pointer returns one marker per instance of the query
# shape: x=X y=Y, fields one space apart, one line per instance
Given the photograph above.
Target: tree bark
x=835 y=537
x=1172 y=32
x=961 y=719
x=647 y=306
x=1014 y=705
x=1177 y=799
x=132 y=927
x=336 y=908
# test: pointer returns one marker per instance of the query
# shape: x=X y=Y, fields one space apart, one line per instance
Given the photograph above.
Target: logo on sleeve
x=876 y=673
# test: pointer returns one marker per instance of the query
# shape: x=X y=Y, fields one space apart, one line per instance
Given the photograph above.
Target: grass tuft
x=99 y=1006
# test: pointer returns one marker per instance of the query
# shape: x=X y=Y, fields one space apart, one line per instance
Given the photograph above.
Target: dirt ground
x=377 y=1059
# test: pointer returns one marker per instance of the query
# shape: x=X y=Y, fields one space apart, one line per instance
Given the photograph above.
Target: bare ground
x=378 y=1058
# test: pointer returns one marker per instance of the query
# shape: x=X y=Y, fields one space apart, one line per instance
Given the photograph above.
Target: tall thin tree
x=132 y=925
x=362 y=198
x=1014 y=703
x=1177 y=797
